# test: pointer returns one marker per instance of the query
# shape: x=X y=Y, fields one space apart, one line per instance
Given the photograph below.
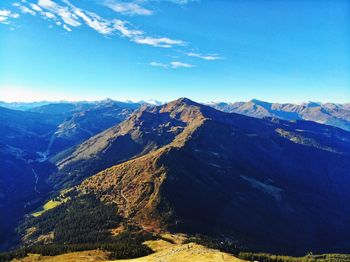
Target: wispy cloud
x=128 y=8
x=123 y=27
x=157 y=64
x=177 y=64
x=140 y=37
x=91 y=19
x=24 y=9
x=62 y=11
x=182 y=2
x=36 y=7
x=32 y=9
x=5 y=15
x=158 y=42
x=72 y=16
x=206 y=57
x=69 y=16
x=174 y=65
x=136 y=7
x=67 y=28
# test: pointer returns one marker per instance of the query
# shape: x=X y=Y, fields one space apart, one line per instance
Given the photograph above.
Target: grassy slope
x=165 y=251
x=171 y=248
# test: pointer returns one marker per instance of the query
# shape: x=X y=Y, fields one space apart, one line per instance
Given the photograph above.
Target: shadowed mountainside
x=28 y=138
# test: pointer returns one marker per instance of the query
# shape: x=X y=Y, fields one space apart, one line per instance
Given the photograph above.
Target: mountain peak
x=311 y=104
x=184 y=100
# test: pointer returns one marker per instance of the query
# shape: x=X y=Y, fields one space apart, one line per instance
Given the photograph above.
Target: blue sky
x=207 y=50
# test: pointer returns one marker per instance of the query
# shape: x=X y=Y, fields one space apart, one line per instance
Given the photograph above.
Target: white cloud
x=179 y=2
x=127 y=8
x=135 y=7
x=48 y=15
x=177 y=64
x=205 y=57
x=36 y=7
x=62 y=11
x=91 y=19
x=67 y=28
x=124 y=30
x=69 y=16
x=5 y=15
x=95 y=22
x=158 y=42
x=26 y=10
x=174 y=65
x=157 y=64
x=5 y=12
x=182 y=2
x=140 y=37
x=33 y=9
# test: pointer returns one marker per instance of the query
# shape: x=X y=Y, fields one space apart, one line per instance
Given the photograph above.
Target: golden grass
x=92 y=255
x=164 y=252
x=158 y=245
x=54 y=202
x=48 y=205
x=185 y=252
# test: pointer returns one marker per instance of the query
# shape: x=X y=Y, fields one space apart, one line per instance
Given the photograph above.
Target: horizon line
x=160 y=101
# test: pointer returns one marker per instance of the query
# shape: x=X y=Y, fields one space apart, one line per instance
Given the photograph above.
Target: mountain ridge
x=326 y=113
x=226 y=174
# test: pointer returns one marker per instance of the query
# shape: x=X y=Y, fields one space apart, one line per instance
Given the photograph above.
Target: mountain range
x=325 y=113
x=334 y=114
x=273 y=182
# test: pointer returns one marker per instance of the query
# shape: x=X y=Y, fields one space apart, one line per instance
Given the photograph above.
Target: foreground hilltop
x=264 y=184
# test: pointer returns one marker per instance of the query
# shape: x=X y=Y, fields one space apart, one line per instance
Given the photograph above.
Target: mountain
x=24 y=135
x=22 y=105
x=146 y=130
x=267 y=184
x=29 y=138
x=64 y=108
x=325 y=113
x=84 y=124
x=26 y=130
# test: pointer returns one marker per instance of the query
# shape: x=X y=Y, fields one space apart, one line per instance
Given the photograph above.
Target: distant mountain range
x=67 y=106
x=325 y=113
x=263 y=183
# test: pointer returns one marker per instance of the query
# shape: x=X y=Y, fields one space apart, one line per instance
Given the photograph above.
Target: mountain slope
x=146 y=130
x=325 y=113
x=24 y=135
x=271 y=185
x=86 y=123
x=26 y=130
x=29 y=138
